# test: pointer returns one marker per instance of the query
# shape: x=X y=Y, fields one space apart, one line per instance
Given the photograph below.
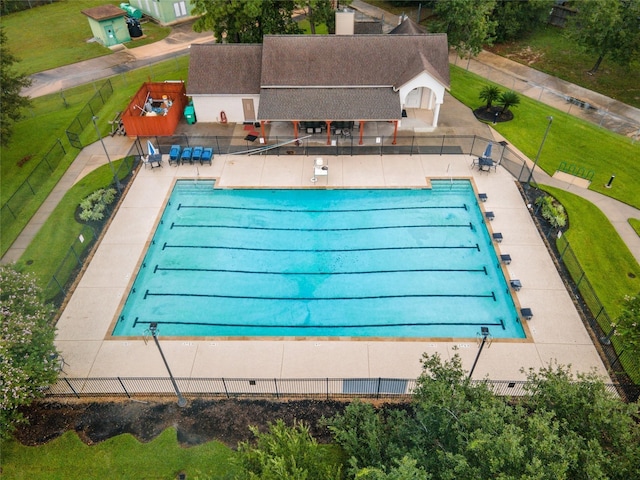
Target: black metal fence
x=624 y=365
x=85 y=116
x=65 y=275
x=13 y=213
x=12 y=210
x=311 y=145
x=278 y=388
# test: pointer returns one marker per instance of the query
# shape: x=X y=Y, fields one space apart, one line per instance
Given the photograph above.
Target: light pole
x=153 y=328
x=113 y=170
x=550 y=118
x=485 y=336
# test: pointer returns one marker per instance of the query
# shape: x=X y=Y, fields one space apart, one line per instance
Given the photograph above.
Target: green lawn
x=570 y=140
x=57 y=34
x=123 y=457
x=46 y=123
x=611 y=268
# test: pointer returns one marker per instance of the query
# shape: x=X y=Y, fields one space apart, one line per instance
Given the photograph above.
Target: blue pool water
x=321 y=263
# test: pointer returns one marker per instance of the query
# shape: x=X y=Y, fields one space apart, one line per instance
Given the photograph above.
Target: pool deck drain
x=556 y=333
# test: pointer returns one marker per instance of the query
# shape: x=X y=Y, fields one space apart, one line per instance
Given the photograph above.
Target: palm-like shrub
x=508 y=99
x=489 y=94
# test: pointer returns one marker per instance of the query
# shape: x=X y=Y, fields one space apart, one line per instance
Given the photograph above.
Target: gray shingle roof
x=408 y=27
x=329 y=104
x=218 y=69
x=349 y=60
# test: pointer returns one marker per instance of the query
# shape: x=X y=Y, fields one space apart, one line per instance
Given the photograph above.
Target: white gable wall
x=209 y=107
x=432 y=93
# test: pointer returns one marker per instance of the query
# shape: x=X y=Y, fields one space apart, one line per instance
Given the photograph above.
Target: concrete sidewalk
x=128 y=58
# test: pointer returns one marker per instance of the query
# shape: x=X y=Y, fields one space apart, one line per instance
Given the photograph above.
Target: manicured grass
x=57 y=34
x=607 y=262
x=635 y=224
x=46 y=123
x=44 y=254
x=570 y=140
x=610 y=266
x=123 y=457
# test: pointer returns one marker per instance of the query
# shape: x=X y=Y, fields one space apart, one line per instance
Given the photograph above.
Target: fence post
x=327 y=388
x=275 y=382
x=378 y=392
x=123 y=387
x=71 y=387
x=224 y=384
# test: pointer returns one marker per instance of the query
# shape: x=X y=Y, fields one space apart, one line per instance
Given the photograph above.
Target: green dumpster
x=190 y=114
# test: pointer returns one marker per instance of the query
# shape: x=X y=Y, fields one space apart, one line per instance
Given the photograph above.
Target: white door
x=413 y=98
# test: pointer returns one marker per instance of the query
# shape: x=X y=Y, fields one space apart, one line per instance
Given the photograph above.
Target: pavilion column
x=362 y=122
x=436 y=114
x=295 y=131
x=395 y=132
x=328 y=122
x=262 y=132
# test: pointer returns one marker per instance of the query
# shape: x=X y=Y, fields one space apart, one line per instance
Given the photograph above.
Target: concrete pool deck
x=556 y=332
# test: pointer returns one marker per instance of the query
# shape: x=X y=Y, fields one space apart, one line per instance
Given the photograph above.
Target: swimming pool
x=394 y=263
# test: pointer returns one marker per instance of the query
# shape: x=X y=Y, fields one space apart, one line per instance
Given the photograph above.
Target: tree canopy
x=29 y=361
x=607 y=28
x=516 y=18
x=244 y=21
x=569 y=427
x=468 y=24
x=12 y=82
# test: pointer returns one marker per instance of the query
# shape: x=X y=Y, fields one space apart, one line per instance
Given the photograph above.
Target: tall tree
x=244 y=21
x=568 y=427
x=467 y=23
x=12 y=82
x=516 y=17
x=286 y=453
x=607 y=28
x=28 y=358
x=321 y=11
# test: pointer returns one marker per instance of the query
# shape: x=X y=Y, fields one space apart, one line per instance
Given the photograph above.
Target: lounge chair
x=207 y=155
x=197 y=154
x=174 y=154
x=186 y=155
x=152 y=161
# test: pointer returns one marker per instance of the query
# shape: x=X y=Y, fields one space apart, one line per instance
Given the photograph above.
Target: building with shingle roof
x=320 y=79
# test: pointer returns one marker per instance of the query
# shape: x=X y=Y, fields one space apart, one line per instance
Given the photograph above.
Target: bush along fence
x=278 y=388
x=65 y=275
x=623 y=366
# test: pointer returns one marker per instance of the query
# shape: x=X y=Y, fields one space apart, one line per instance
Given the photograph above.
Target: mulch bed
x=202 y=420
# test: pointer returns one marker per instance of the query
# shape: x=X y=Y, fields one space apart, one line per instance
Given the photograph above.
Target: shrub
x=94 y=206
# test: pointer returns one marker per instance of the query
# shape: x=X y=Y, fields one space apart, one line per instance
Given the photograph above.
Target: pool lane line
x=319 y=299
x=345 y=210
x=288 y=229
x=366 y=325
x=324 y=250
x=257 y=272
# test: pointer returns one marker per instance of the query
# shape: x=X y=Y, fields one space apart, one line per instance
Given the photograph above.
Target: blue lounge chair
x=186 y=155
x=174 y=154
x=207 y=155
x=197 y=153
